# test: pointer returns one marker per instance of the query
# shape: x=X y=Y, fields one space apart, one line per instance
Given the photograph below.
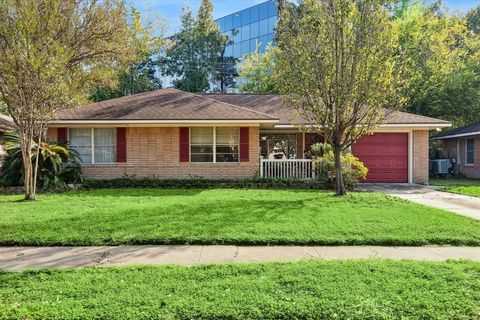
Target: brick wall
x=154 y=152
x=420 y=156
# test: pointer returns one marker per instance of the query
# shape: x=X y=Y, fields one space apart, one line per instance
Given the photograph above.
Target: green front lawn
x=466 y=190
x=370 y=289
x=227 y=216
x=469 y=187
x=455 y=182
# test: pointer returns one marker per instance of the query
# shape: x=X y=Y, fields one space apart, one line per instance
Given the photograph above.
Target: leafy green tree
x=439 y=59
x=225 y=71
x=146 y=38
x=193 y=57
x=473 y=19
x=145 y=78
x=257 y=72
x=51 y=51
x=336 y=68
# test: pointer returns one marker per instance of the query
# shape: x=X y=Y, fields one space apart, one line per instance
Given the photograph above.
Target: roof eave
x=170 y=122
x=391 y=125
x=460 y=135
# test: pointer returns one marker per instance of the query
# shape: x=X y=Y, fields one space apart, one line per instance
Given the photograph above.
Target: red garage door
x=385 y=155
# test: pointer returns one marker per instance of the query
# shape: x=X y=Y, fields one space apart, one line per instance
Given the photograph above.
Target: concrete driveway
x=463 y=205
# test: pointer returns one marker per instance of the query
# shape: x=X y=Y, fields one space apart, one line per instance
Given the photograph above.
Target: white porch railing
x=300 y=169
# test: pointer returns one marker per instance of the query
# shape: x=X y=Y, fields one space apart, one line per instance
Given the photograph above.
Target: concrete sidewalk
x=460 y=204
x=19 y=258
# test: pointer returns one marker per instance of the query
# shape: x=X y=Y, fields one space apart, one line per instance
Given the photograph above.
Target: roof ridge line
x=229 y=104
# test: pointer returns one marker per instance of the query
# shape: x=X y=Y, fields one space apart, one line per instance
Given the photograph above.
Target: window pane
x=253 y=44
x=263 y=27
x=245 y=32
x=263 y=11
x=105 y=145
x=227 y=157
x=262 y=43
x=202 y=149
x=254 y=14
x=229 y=23
x=237 y=38
x=227 y=136
x=470 y=151
x=229 y=51
x=221 y=24
x=80 y=139
x=205 y=157
x=272 y=8
x=201 y=145
x=254 y=30
x=226 y=149
x=245 y=17
x=227 y=144
x=237 y=20
x=245 y=47
x=237 y=50
x=272 y=22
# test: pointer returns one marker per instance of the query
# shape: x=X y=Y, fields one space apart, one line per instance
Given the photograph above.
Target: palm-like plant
x=58 y=165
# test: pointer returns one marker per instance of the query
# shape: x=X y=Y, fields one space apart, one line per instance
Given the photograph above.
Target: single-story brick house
x=463 y=145
x=169 y=133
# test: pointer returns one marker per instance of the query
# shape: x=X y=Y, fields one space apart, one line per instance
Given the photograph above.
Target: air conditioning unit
x=440 y=166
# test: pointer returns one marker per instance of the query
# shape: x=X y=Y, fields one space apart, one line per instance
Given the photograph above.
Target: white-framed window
x=470 y=151
x=94 y=145
x=214 y=144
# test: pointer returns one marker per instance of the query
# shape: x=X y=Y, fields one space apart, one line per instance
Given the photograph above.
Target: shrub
x=57 y=166
x=133 y=182
x=352 y=168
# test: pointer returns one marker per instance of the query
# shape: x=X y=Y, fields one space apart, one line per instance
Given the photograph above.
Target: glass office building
x=254 y=26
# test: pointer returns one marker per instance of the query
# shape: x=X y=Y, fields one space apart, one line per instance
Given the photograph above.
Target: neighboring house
x=169 y=133
x=463 y=145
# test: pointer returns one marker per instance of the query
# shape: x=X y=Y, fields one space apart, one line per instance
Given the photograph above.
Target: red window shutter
x=244 y=144
x=184 y=144
x=121 y=144
x=62 y=135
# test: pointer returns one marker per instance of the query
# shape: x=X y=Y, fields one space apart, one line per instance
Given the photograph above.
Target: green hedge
x=133 y=182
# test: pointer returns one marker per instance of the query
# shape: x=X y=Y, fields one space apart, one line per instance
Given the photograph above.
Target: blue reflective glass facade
x=255 y=26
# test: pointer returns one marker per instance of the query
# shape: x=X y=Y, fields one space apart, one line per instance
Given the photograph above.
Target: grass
x=227 y=216
x=369 y=289
x=469 y=187
x=454 y=182
x=466 y=190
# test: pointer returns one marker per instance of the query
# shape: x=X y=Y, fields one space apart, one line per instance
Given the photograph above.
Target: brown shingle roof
x=162 y=104
x=173 y=104
x=272 y=104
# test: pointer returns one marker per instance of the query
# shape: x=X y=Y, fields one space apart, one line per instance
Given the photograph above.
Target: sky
x=171 y=9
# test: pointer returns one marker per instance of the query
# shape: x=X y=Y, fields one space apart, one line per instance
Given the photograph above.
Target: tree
x=50 y=52
x=147 y=39
x=258 y=72
x=336 y=68
x=473 y=19
x=225 y=70
x=144 y=78
x=193 y=56
x=439 y=57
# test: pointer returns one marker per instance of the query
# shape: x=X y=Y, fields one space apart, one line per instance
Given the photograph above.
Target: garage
x=385 y=155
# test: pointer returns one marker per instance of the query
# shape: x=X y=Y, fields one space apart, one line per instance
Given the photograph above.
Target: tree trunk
x=35 y=169
x=26 y=147
x=340 y=189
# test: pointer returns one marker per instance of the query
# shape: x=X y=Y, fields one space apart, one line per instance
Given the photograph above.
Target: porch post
x=261 y=166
